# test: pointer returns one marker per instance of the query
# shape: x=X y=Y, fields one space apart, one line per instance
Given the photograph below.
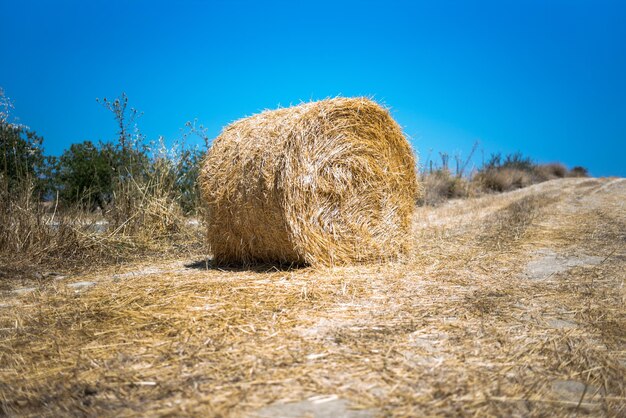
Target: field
x=512 y=305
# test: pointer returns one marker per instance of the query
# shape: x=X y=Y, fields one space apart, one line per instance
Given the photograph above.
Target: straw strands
x=471 y=326
x=324 y=183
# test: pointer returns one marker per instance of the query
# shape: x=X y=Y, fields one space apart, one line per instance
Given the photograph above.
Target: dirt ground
x=513 y=305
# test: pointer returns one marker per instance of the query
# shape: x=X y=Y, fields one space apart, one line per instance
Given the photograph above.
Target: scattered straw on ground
x=470 y=327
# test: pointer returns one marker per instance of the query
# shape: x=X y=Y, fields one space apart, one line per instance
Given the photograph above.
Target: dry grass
x=144 y=221
x=504 y=179
x=461 y=330
x=578 y=171
x=41 y=237
x=523 y=174
x=325 y=183
x=440 y=186
x=551 y=171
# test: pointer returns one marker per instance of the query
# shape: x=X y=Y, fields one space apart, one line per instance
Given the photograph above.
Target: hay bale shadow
x=209 y=264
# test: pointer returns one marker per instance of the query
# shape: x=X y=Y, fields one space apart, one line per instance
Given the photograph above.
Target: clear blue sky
x=547 y=78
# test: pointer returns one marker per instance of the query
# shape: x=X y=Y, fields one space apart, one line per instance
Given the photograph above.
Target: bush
x=578 y=171
x=85 y=174
x=441 y=185
x=514 y=161
x=22 y=154
x=501 y=175
x=551 y=171
x=503 y=179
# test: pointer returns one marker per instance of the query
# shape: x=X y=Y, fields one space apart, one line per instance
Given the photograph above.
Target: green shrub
x=21 y=155
x=514 y=161
x=85 y=174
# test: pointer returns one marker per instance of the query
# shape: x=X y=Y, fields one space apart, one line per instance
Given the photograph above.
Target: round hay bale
x=329 y=182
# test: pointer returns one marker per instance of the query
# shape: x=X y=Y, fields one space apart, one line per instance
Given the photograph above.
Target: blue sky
x=547 y=78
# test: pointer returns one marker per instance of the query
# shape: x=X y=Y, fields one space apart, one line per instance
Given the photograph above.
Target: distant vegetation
x=94 y=174
x=498 y=174
x=103 y=201
x=137 y=195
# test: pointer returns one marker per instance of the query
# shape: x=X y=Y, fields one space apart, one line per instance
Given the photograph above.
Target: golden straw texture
x=324 y=183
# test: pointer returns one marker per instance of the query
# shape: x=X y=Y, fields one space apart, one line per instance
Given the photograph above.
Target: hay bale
x=328 y=182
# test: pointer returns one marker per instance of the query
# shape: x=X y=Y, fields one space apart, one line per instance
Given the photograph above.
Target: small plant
x=126 y=120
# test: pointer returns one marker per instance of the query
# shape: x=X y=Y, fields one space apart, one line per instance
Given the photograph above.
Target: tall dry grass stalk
x=148 y=203
x=32 y=236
